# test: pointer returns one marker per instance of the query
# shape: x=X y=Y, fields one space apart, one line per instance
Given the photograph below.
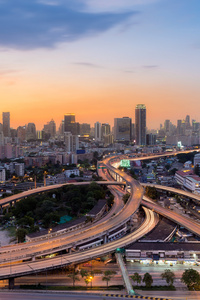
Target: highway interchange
x=119 y=215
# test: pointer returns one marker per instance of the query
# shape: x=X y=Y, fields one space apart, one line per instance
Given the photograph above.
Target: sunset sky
x=98 y=59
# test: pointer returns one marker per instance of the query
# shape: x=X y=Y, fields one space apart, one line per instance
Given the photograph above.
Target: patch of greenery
x=70 y=288
x=46 y=209
x=155 y=288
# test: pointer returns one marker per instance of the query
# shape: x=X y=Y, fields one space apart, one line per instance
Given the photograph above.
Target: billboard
x=125 y=163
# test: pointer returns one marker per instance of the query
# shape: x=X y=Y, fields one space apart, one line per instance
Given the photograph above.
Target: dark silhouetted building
x=6 y=123
x=140 y=124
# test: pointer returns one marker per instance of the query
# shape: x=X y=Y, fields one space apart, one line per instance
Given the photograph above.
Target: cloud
x=86 y=64
x=150 y=66
x=31 y=24
x=116 y=5
x=7 y=72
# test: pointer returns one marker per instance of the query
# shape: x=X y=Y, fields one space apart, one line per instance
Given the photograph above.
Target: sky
x=98 y=59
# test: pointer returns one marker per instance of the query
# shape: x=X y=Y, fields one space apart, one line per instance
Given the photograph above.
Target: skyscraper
x=31 y=132
x=6 y=123
x=122 y=129
x=70 y=125
x=140 y=124
x=97 y=132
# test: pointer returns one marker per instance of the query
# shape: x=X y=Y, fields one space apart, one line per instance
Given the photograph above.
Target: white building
x=2 y=174
x=72 y=171
x=71 y=142
x=192 y=183
x=188 y=165
x=197 y=159
x=180 y=176
x=19 y=169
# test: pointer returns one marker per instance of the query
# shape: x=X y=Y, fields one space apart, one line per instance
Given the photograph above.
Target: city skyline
x=112 y=123
x=99 y=59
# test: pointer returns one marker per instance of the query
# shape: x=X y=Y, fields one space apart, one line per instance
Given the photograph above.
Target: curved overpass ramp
x=23 y=269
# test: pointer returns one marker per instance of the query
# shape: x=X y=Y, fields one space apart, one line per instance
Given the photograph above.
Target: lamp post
x=91 y=277
x=49 y=231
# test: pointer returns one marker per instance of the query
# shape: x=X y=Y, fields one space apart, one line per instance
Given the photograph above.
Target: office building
x=21 y=133
x=84 y=129
x=106 y=136
x=140 y=124
x=122 y=129
x=31 y=132
x=70 y=124
x=6 y=124
x=50 y=128
x=97 y=132
x=71 y=142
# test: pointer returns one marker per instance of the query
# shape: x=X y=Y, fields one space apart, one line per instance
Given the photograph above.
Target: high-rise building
x=6 y=123
x=122 y=129
x=105 y=129
x=70 y=125
x=50 y=128
x=106 y=135
x=61 y=128
x=140 y=124
x=97 y=132
x=31 y=132
x=84 y=129
x=21 y=133
x=187 y=122
x=178 y=129
x=71 y=142
x=167 y=127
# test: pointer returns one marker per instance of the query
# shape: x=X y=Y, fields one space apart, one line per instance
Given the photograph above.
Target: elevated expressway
x=101 y=229
x=11 y=200
x=70 y=240
x=173 y=190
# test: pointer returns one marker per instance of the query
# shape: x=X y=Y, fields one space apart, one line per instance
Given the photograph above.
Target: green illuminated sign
x=125 y=163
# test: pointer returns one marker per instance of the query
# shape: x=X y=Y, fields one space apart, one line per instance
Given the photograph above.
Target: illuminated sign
x=125 y=163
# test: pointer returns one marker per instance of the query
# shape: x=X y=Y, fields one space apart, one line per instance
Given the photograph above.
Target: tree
x=74 y=276
x=148 y=280
x=173 y=171
x=108 y=275
x=125 y=198
x=169 y=276
x=83 y=273
x=136 y=278
x=151 y=192
x=191 y=278
x=21 y=234
x=88 y=276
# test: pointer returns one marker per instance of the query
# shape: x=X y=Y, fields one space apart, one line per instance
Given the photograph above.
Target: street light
x=90 y=278
x=49 y=231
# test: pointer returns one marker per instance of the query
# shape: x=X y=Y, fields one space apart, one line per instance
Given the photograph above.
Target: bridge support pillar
x=1 y=210
x=33 y=258
x=11 y=283
x=70 y=250
x=105 y=238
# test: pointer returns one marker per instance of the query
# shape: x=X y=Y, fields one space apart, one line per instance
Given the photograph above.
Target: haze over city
x=99 y=59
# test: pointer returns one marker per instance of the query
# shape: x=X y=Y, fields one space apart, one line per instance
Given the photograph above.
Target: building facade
x=122 y=129
x=140 y=124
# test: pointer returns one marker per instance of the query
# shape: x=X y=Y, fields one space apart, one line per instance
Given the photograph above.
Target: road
x=17 y=197
x=96 y=230
x=173 y=190
x=175 y=295
x=188 y=223
x=68 y=240
x=15 y=270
